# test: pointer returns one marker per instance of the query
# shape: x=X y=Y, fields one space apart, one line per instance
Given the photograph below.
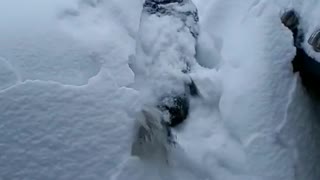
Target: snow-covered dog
x=165 y=55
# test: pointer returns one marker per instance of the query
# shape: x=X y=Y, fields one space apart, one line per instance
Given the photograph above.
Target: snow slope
x=67 y=110
x=64 y=107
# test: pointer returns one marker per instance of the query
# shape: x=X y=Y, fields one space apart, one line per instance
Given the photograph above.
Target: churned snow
x=68 y=107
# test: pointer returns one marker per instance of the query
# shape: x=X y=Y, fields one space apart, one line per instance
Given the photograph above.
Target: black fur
x=177 y=108
x=158 y=8
x=308 y=67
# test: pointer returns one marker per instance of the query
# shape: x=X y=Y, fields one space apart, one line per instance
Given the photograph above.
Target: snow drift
x=68 y=106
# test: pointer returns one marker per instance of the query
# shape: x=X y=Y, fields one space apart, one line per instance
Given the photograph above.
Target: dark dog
x=308 y=67
x=165 y=54
x=177 y=106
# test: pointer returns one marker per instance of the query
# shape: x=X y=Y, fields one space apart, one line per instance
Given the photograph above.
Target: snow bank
x=66 y=112
x=262 y=101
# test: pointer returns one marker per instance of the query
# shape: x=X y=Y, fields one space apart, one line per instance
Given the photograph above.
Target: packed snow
x=70 y=94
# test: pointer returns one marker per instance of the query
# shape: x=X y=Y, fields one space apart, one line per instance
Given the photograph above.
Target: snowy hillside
x=70 y=95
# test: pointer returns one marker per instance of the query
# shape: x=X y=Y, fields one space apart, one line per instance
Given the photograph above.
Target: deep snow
x=68 y=107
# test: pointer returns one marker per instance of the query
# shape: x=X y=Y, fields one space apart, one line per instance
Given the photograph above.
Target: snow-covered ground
x=68 y=107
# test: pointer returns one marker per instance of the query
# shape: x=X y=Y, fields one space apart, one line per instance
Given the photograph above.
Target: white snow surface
x=68 y=106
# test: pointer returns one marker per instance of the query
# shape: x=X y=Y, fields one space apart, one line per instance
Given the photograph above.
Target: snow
x=165 y=49
x=69 y=98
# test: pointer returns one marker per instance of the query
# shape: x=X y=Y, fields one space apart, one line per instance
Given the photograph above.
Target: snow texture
x=69 y=98
x=165 y=50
